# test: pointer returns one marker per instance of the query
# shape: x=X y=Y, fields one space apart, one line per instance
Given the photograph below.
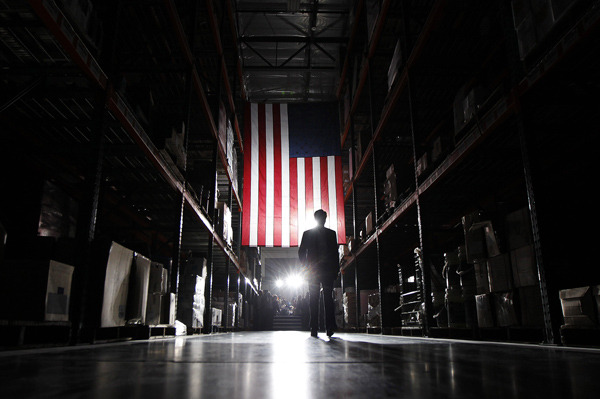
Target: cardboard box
x=349 y=305
x=364 y=300
x=466 y=105
x=499 y=273
x=116 y=286
x=58 y=291
x=530 y=305
x=156 y=277
x=524 y=267
x=505 y=309
x=222 y=125
x=480 y=241
x=343 y=251
x=168 y=305
x=485 y=315
x=153 y=309
x=422 y=164
x=217 y=317
x=481 y=276
x=137 y=300
x=223 y=222
x=518 y=229
x=35 y=290
x=190 y=305
x=232 y=308
x=578 y=306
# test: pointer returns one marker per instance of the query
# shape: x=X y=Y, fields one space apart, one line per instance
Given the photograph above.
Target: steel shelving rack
x=502 y=109
x=121 y=116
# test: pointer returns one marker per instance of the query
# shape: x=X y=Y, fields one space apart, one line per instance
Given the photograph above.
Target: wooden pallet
x=133 y=332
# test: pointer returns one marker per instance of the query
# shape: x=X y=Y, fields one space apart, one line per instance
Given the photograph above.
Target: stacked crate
x=581 y=315
x=338 y=306
x=157 y=289
x=349 y=304
x=534 y=19
x=234 y=307
x=190 y=301
x=507 y=287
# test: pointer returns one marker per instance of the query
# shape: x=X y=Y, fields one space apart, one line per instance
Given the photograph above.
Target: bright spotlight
x=294 y=281
x=278 y=283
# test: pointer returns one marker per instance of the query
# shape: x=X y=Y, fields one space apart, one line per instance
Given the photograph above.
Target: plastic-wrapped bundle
x=350 y=309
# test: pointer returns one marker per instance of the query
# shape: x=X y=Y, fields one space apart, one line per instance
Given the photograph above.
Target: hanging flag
x=292 y=167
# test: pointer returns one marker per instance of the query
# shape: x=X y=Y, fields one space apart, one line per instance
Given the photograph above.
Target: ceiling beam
x=291 y=39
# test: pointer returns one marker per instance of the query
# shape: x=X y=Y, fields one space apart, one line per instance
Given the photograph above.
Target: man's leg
x=329 y=307
x=313 y=299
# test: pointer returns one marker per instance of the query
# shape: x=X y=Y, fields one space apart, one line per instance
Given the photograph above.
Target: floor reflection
x=294 y=365
x=289 y=367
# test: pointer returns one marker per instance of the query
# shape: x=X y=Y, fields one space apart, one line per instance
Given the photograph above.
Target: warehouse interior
x=469 y=133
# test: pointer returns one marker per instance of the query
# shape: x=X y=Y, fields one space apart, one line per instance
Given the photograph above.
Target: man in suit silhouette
x=318 y=252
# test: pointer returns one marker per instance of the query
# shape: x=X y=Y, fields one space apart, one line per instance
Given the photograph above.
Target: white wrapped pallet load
x=58 y=291
x=116 y=286
x=137 y=300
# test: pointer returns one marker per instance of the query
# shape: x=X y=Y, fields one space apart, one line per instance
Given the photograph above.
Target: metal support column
x=82 y=276
x=237 y=291
x=354 y=233
x=239 y=253
x=549 y=336
x=189 y=91
x=426 y=280
x=426 y=283
x=209 y=261
x=375 y=202
x=516 y=72
x=227 y=264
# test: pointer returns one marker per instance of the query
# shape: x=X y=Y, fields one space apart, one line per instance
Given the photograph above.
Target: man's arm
x=302 y=250
x=333 y=253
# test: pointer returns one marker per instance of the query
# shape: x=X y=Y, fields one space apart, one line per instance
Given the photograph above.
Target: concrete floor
x=290 y=364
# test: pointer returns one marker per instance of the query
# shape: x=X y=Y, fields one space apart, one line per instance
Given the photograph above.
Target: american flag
x=292 y=167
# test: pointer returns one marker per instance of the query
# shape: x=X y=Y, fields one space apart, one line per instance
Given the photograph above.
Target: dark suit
x=319 y=253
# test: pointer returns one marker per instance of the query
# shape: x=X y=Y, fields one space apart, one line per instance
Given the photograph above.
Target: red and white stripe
x=280 y=193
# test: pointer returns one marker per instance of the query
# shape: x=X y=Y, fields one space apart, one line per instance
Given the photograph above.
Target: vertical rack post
x=82 y=278
x=516 y=72
x=375 y=202
x=189 y=89
x=354 y=233
x=207 y=329
x=227 y=263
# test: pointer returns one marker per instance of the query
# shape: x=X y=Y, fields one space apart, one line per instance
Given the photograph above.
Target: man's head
x=320 y=217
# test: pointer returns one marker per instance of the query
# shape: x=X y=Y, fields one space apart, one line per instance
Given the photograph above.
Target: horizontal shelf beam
x=488 y=123
x=197 y=84
x=63 y=32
